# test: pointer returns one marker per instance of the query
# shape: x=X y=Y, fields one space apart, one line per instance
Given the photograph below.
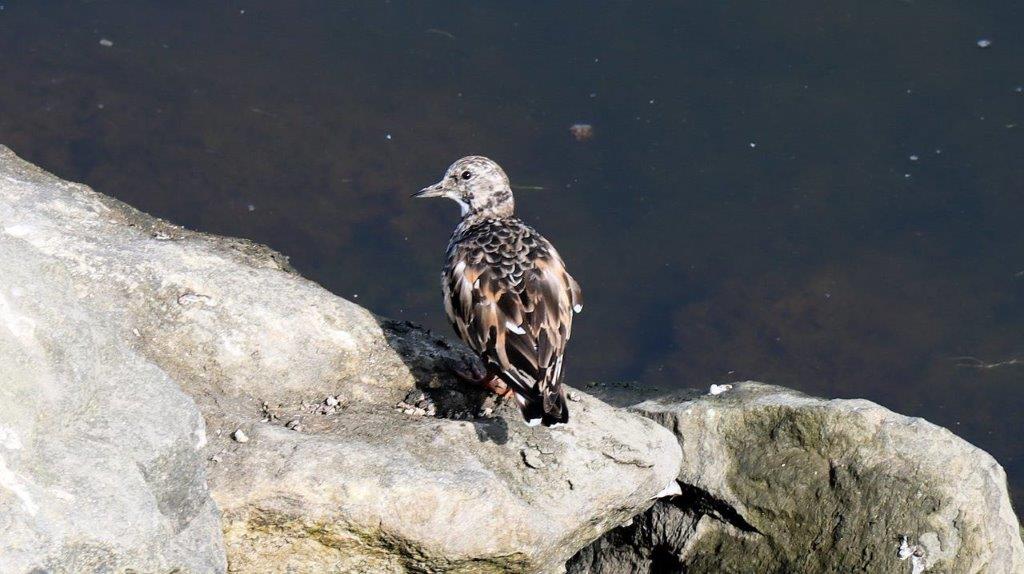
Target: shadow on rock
x=433 y=362
x=492 y=430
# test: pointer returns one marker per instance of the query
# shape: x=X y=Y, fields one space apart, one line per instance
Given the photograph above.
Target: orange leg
x=497 y=386
x=488 y=381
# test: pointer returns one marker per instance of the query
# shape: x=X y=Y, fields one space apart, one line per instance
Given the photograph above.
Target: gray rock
x=775 y=481
x=101 y=454
x=364 y=489
x=532 y=458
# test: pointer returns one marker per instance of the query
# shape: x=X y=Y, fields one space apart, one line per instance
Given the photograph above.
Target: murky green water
x=825 y=196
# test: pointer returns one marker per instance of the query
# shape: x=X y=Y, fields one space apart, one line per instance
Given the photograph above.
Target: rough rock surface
x=101 y=462
x=776 y=481
x=336 y=440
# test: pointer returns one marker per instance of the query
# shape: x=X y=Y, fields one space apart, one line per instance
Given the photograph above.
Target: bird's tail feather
x=555 y=409
x=545 y=407
x=547 y=410
x=532 y=409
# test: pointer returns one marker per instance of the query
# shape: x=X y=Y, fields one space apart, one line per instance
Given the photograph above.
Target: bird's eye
x=466 y=175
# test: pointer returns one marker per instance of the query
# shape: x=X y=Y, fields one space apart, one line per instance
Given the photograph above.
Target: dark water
x=828 y=196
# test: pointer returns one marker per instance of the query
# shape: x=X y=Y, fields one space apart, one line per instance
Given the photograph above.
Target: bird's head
x=478 y=184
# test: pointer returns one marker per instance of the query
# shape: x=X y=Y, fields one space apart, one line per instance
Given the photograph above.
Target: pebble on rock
x=240 y=436
x=532 y=458
x=331 y=401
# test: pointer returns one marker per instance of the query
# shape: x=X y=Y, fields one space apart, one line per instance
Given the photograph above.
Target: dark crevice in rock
x=665 y=559
x=700 y=501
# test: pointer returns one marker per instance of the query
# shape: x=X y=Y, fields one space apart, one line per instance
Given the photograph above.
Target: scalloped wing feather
x=514 y=306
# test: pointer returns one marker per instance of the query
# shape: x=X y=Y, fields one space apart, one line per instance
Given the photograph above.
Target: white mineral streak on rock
x=200 y=434
x=918 y=564
x=23 y=328
x=672 y=489
x=11 y=482
x=9 y=439
x=17 y=230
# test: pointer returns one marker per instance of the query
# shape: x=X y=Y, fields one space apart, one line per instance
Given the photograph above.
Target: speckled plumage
x=506 y=290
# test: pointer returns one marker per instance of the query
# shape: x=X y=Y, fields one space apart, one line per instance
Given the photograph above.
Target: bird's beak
x=436 y=190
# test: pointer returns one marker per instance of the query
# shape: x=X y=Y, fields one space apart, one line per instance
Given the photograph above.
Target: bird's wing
x=514 y=307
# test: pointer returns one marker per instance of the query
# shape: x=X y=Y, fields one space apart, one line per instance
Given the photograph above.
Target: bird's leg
x=487 y=380
x=497 y=386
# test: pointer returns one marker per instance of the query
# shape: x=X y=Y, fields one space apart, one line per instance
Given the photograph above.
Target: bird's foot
x=469 y=372
x=497 y=386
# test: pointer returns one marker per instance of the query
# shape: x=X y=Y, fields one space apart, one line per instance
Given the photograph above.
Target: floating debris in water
x=106 y=43
x=753 y=145
x=976 y=363
x=387 y=136
x=251 y=207
x=440 y=32
x=984 y=43
x=582 y=132
x=913 y=158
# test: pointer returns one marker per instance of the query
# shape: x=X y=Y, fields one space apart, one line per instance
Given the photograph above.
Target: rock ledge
x=776 y=481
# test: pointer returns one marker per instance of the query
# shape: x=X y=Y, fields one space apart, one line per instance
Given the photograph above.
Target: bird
x=506 y=291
